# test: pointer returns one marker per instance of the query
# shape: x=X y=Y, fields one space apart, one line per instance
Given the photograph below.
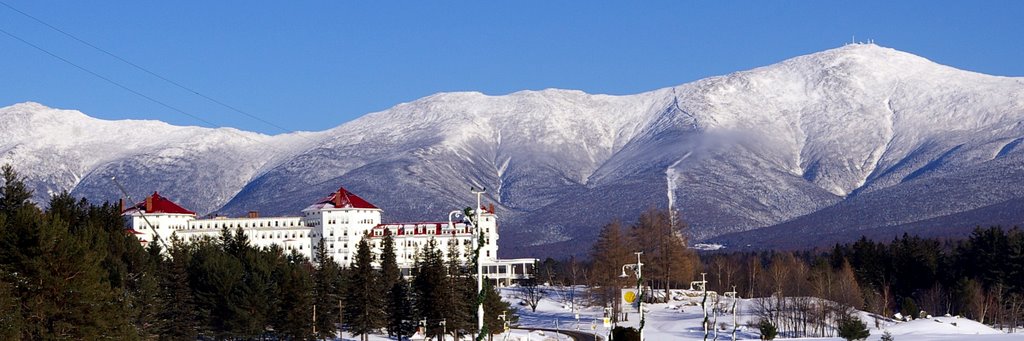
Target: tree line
x=667 y=263
x=980 y=277
x=70 y=271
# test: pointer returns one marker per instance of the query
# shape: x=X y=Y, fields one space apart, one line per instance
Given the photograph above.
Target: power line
x=140 y=68
x=122 y=86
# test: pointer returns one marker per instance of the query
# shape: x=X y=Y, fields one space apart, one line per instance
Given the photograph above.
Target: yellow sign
x=607 y=322
x=630 y=296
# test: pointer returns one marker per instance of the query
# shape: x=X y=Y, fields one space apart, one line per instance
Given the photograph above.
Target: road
x=575 y=335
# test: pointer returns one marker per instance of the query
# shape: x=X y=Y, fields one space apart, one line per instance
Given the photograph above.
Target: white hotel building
x=340 y=220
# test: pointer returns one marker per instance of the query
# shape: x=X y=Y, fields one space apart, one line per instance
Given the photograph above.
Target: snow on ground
x=707 y=246
x=682 y=319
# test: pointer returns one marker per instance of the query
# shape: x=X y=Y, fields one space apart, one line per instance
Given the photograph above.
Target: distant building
x=340 y=220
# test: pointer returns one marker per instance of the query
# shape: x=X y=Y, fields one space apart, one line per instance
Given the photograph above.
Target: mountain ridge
x=844 y=130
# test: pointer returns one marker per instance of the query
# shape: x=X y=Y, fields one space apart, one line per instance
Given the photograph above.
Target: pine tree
x=215 y=276
x=328 y=289
x=364 y=308
x=460 y=294
x=179 y=315
x=767 y=329
x=852 y=328
x=258 y=299
x=399 y=309
x=389 y=272
x=293 y=316
x=494 y=309
x=10 y=310
x=14 y=194
x=65 y=292
x=429 y=288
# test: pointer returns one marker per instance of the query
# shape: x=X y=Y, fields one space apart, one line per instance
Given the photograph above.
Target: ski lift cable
x=147 y=71
x=156 y=234
x=126 y=88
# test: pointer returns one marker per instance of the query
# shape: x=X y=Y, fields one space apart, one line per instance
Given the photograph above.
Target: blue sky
x=311 y=65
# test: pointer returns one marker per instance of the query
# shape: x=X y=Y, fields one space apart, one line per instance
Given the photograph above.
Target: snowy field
x=681 y=320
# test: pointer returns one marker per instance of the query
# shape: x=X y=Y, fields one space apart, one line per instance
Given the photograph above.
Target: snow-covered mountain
x=851 y=139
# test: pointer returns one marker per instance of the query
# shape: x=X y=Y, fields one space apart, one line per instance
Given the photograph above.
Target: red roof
x=422 y=228
x=344 y=199
x=158 y=204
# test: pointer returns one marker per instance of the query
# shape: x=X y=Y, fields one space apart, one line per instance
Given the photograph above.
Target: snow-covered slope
x=854 y=138
x=65 y=150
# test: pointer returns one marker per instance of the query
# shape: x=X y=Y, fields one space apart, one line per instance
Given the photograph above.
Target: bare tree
x=530 y=293
x=609 y=253
x=659 y=235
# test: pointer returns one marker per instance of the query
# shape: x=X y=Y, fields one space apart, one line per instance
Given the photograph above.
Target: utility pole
x=735 y=299
x=704 y=303
x=638 y=268
x=479 y=267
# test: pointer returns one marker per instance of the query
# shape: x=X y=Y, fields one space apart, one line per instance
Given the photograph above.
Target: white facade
x=341 y=220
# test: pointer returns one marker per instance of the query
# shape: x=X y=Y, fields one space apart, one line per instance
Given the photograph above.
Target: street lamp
x=505 y=324
x=638 y=269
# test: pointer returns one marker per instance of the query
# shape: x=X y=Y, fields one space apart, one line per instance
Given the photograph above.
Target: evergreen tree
x=909 y=308
x=179 y=315
x=429 y=288
x=399 y=309
x=10 y=310
x=460 y=304
x=768 y=330
x=258 y=299
x=852 y=328
x=130 y=269
x=13 y=194
x=63 y=287
x=215 y=277
x=364 y=309
x=327 y=292
x=389 y=272
x=293 y=318
x=494 y=309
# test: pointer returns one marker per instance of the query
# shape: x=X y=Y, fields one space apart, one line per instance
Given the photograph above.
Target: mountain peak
x=27 y=105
